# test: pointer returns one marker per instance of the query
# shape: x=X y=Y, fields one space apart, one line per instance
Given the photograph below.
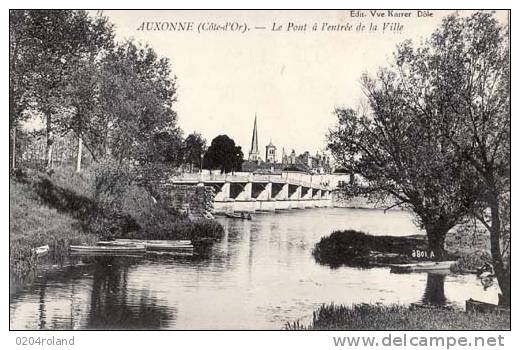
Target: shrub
x=175 y=228
x=341 y=247
x=110 y=182
x=352 y=247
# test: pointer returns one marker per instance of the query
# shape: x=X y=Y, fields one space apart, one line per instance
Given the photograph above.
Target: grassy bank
x=33 y=223
x=398 y=317
x=64 y=208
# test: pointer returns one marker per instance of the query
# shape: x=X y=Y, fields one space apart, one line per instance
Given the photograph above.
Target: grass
x=399 y=317
x=32 y=223
x=61 y=209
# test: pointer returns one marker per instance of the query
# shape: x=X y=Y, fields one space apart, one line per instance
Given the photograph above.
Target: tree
x=57 y=43
x=223 y=154
x=193 y=150
x=136 y=122
x=467 y=62
x=21 y=60
x=82 y=87
x=456 y=88
x=401 y=157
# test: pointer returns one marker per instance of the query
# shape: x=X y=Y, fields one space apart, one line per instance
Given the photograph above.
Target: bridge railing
x=276 y=178
x=198 y=177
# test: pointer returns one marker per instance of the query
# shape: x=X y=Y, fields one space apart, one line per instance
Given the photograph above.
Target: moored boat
x=126 y=249
x=241 y=216
x=483 y=307
x=151 y=245
x=430 y=266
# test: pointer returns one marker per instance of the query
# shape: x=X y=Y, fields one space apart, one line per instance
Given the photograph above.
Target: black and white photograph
x=289 y=170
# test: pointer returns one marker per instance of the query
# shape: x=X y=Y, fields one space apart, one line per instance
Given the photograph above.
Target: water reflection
x=259 y=276
x=116 y=305
x=434 y=292
x=95 y=294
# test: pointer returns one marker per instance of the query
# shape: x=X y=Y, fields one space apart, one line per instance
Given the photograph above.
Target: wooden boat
x=151 y=245
x=430 y=266
x=41 y=251
x=481 y=306
x=236 y=216
x=152 y=241
x=127 y=249
x=170 y=253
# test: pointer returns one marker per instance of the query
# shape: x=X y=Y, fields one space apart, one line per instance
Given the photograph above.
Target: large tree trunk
x=501 y=271
x=436 y=236
x=50 y=141
x=80 y=153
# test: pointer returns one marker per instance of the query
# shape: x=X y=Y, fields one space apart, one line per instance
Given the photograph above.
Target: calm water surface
x=259 y=276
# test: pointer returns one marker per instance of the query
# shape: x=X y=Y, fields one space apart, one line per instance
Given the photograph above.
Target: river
x=259 y=276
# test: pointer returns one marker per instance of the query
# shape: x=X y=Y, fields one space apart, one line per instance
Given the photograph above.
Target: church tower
x=284 y=157
x=254 y=154
x=270 y=153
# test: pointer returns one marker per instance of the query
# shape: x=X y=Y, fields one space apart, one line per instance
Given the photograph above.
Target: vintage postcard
x=260 y=170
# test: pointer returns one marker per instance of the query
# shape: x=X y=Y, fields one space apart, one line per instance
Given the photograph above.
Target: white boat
x=429 y=266
x=151 y=245
x=135 y=248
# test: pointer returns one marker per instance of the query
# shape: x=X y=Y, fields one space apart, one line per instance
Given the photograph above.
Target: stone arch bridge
x=248 y=192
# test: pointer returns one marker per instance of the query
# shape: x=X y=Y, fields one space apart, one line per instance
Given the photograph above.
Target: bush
x=182 y=228
x=341 y=247
x=110 y=183
x=353 y=247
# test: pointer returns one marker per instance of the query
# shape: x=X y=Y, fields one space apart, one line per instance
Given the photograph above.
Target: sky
x=291 y=79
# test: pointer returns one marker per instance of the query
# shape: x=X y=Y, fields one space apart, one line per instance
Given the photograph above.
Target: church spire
x=253 y=153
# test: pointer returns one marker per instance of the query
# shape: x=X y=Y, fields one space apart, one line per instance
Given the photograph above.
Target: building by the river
x=272 y=163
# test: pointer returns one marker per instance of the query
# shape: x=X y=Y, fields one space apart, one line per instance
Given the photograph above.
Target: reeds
x=400 y=317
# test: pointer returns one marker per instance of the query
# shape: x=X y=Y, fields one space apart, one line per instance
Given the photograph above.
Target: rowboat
x=483 y=307
x=430 y=266
x=151 y=245
x=236 y=216
x=41 y=251
x=127 y=249
x=152 y=241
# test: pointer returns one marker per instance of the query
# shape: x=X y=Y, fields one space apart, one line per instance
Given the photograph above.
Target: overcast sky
x=291 y=80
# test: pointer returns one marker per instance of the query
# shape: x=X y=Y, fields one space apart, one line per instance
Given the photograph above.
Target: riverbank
x=63 y=209
x=399 y=317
